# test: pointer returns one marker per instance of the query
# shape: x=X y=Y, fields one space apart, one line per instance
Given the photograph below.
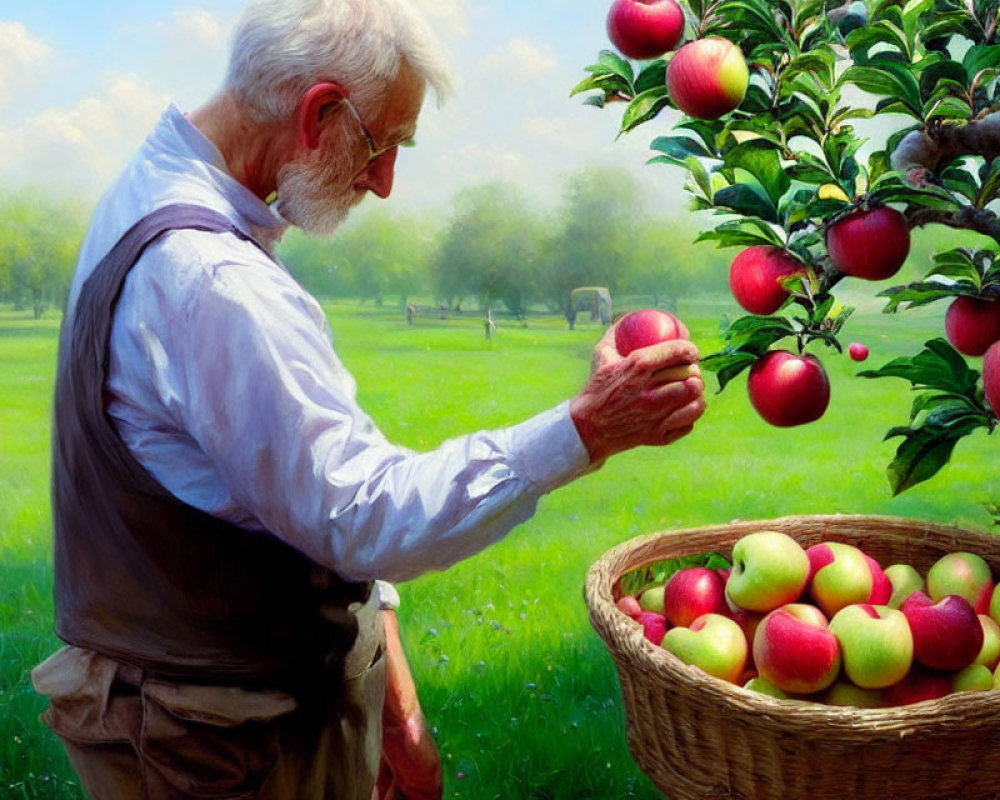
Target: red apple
x=972 y=324
x=794 y=649
x=645 y=28
x=919 y=684
x=881 y=585
x=755 y=275
x=708 y=77
x=947 y=635
x=654 y=626
x=991 y=377
x=647 y=327
x=857 y=351
x=870 y=244
x=788 y=389
x=691 y=592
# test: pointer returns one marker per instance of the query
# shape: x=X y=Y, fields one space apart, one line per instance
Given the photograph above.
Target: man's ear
x=312 y=108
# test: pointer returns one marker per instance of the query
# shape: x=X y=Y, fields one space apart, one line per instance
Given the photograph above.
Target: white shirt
x=224 y=384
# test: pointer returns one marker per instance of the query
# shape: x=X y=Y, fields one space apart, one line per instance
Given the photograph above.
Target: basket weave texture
x=700 y=738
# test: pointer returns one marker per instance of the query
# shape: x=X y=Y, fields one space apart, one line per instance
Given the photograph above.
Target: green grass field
x=520 y=691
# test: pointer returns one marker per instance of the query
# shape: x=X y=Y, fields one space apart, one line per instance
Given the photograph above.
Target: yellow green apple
x=974 y=678
x=876 y=645
x=713 y=642
x=770 y=569
x=905 y=581
x=989 y=654
x=844 y=693
x=839 y=575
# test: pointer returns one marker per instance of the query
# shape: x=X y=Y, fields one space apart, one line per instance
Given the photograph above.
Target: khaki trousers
x=130 y=737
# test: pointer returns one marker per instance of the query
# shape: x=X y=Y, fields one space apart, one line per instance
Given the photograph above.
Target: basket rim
x=631 y=650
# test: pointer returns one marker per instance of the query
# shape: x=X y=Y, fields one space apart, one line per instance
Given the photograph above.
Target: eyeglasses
x=373 y=150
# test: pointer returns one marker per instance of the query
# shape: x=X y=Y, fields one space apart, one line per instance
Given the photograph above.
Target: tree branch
x=974 y=219
x=920 y=152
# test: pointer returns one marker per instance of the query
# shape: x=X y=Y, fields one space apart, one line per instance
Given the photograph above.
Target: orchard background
x=521 y=692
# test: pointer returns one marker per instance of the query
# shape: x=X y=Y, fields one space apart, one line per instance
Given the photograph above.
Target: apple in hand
x=965 y=574
x=769 y=570
x=708 y=77
x=647 y=327
x=947 y=634
x=645 y=29
x=870 y=244
x=788 y=389
x=876 y=645
x=905 y=581
x=691 y=592
x=795 y=650
x=839 y=575
x=654 y=626
x=713 y=642
x=991 y=377
x=755 y=277
x=919 y=684
x=972 y=324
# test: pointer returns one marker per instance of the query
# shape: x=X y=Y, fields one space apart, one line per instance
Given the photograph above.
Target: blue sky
x=81 y=83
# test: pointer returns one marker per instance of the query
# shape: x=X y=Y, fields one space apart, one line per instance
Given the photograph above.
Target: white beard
x=315 y=193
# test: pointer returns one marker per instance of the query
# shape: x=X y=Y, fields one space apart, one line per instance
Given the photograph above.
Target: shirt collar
x=260 y=219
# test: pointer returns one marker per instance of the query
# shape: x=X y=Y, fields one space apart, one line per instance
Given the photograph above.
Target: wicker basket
x=697 y=737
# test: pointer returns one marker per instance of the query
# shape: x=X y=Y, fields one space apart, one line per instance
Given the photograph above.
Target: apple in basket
x=713 y=642
x=905 y=581
x=839 y=575
x=965 y=574
x=795 y=650
x=769 y=570
x=876 y=645
x=691 y=592
x=947 y=634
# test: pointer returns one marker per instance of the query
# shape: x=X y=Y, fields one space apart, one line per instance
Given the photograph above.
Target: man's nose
x=377 y=177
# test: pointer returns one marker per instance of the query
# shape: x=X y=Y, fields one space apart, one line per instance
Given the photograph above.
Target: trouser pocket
x=211 y=741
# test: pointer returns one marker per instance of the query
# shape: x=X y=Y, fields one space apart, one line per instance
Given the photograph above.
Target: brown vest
x=141 y=576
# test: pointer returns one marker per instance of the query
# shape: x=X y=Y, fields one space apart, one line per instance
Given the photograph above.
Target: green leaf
x=644 y=107
x=727 y=366
x=921 y=293
x=676 y=149
x=979 y=58
x=921 y=456
x=612 y=62
x=745 y=199
x=938 y=367
x=653 y=74
x=742 y=233
x=762 y=160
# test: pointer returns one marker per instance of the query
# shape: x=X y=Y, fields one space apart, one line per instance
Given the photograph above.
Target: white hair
x=282 y=47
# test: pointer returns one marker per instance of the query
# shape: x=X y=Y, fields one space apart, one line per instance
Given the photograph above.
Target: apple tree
x=773 y=151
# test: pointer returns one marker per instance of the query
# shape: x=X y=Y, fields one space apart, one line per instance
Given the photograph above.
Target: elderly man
x=222 y=506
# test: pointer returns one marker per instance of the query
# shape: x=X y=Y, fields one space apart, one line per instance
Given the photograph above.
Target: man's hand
x=411 y=768
x=653 y=396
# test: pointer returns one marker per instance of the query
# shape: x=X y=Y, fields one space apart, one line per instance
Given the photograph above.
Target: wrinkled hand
x=411 y=767
x=653 y=396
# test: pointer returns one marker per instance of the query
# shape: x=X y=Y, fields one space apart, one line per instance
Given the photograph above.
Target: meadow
x=521 y=693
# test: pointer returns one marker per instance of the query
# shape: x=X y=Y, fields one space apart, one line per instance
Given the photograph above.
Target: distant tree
x=594 y=234
x=39 y=240
x=490 y=248
x=381 y=254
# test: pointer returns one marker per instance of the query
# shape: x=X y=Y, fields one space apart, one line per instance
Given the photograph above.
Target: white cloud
x=83 y=147
x=25 y=57
x=520 y=59
x=191 y=28
x=448 y=17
